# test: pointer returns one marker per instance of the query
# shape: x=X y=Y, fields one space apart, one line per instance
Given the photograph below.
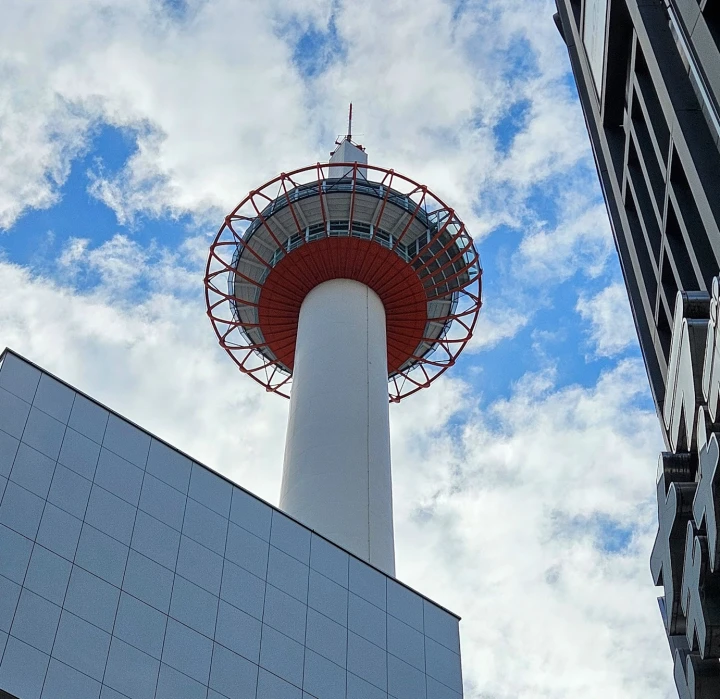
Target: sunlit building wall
x=127 y=570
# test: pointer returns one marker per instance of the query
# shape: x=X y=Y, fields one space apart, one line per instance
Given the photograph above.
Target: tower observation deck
x=343 y=286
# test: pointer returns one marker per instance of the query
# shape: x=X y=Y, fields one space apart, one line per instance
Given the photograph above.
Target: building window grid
x=675 y=236
x=636 y=177
x=337 y=228
x=689 y=218
x=655 y=117
x=651 y=223
x=697 y=79
x=647 y=269
x=651 y=125
x=650 y=164
x=650 y=158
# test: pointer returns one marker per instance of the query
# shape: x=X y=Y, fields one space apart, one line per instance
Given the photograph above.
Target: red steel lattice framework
x=260 y=269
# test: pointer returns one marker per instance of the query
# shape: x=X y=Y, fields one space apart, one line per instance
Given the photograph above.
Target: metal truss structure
x=352 y=221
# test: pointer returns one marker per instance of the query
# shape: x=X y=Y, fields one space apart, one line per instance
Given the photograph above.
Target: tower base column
x=336 y=475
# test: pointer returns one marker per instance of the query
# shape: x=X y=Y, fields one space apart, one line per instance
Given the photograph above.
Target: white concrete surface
x=336 y=477
x=347 y=152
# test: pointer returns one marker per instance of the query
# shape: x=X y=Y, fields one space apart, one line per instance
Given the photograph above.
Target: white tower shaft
x=336 y=477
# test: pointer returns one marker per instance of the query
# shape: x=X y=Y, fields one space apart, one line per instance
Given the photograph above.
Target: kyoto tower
x=343 y=286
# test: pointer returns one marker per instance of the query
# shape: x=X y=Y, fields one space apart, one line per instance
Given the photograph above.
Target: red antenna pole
x=349 y=131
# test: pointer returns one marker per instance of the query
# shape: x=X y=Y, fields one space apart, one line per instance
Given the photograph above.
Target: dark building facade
x=130 y=571
x=648 y=77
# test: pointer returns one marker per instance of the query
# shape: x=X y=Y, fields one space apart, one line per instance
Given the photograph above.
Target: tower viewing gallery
x=131 y=571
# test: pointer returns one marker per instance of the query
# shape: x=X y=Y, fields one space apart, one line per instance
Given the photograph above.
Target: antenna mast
x=349 y=131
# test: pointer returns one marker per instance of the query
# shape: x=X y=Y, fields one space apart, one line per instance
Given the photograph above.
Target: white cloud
x=119 y=262
x=553 y=138
x=580 y=241
x=494 y=325
x=40 y=134
x=503 y=512
x=611 y=324
x=216 y=102
x=215 y=111
x=516 y=512
x=122 y=264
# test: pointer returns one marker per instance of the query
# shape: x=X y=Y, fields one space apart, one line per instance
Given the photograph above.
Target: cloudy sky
x=524 y=479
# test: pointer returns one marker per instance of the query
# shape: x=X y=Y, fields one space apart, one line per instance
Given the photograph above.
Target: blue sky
x=557 y=336
x=127 y=131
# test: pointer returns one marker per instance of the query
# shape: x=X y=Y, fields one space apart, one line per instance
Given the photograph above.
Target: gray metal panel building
x=127 y=570
x=648 y=76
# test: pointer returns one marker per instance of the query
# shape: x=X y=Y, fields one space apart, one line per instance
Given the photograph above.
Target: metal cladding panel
x=347 y=152
x=200 y=590
x=594 y=29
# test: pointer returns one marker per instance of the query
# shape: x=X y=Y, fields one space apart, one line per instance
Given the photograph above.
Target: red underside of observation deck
x=385 y=272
